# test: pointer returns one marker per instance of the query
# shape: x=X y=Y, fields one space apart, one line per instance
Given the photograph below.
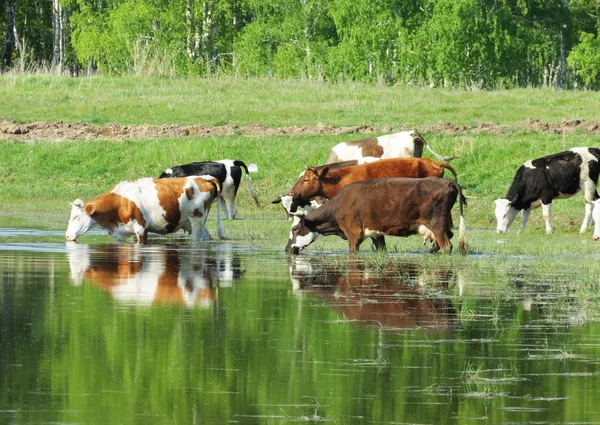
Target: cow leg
x=587 y=220
x=354 y=243
x=228 y=197
x=198 y=229
x=524 y=217
x=588 y=187
x=379 y=243
x=443 y=242
x=142 y=236
x=547 y=212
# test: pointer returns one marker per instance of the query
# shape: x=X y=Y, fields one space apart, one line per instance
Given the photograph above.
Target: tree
x=9 y=43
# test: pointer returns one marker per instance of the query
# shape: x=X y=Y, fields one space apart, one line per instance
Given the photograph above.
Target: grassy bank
x=274 y=103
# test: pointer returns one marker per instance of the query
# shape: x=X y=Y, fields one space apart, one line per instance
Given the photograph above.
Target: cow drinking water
x=540 y=181
x=149 y=205
x=387 y=206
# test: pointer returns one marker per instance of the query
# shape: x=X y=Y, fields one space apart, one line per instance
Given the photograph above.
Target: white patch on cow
x=505 y=214
x=144 y=195
x=169 y=171
x=302 y=241
x=227 y=198
x=397 y=145
x=79 y=221
x=596 y=217
x=286 y=202
x=528 y=164
x=346 y=153
x=370 y=233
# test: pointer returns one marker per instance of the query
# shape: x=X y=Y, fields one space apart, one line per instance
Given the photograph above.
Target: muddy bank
x=61 y=131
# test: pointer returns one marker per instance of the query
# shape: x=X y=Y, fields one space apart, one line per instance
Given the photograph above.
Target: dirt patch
x=60 y=131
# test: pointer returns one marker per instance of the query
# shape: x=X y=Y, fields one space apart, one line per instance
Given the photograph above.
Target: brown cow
x=326 y=182
x=387 y=206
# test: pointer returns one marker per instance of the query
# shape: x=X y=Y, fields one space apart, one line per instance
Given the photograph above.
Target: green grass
x=227 y=100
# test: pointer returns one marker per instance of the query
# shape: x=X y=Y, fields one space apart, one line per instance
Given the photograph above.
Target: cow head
x=81 y=219
x=309 y=185
x=505 y=214
x=596 y=218
x=302 y=234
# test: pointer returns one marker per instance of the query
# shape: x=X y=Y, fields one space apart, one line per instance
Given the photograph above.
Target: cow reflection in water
x=155 y=274
x=398 y=297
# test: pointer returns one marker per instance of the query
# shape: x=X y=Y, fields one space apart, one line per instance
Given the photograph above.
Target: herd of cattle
x=368 y=188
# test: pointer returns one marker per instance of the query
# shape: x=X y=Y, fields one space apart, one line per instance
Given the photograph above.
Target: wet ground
x=227 y=332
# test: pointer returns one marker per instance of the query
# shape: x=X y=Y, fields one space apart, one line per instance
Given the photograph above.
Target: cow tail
x=437 y=155
x=462 y=227
x=217 y=184
x=451 y=169
x=248 y=180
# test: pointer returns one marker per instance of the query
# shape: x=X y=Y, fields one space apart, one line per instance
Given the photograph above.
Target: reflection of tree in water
x=397 y=296
x=155 y=274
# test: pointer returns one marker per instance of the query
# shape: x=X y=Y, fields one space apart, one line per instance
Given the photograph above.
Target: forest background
x=438 y=43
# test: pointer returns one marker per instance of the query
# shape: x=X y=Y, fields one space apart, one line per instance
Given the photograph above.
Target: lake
x=230 y=332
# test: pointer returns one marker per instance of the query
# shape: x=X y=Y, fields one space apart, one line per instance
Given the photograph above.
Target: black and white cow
x=227 y=171
x=541 y=180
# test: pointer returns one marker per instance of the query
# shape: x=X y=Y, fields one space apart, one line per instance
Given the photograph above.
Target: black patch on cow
x=215 y=169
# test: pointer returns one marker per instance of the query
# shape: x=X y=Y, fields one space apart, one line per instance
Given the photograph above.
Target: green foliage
x=585 y=60
x=450 y=43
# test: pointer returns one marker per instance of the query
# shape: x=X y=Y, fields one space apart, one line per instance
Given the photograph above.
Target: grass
x=239 y=101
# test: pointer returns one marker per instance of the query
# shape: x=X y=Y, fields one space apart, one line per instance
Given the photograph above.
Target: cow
x=405 y=144
x=387 y=206
x=326 y=182
x=229 y=173
x=146 y=205
x=540 y=181
x=286 y=200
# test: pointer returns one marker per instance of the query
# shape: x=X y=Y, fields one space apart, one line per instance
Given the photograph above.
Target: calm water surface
x=224 y=333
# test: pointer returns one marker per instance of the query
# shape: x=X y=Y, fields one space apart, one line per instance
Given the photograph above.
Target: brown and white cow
x=405 y=144
x=326 y=182
x=149 y=205
x=387 y=206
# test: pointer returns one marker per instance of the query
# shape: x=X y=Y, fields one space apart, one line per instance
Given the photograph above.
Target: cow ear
x=324 y=172
x=90 y=209
x=313 y=170
x=276 y=200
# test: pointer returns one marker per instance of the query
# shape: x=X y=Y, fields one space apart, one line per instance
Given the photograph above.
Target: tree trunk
x=57 y=26
x=562 y=76
x=9 y=44
x=189 y=24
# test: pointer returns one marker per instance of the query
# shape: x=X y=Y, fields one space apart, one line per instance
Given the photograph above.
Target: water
x=222 y=332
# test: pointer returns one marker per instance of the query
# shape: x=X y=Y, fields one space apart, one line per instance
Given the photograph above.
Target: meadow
x=39 y=178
